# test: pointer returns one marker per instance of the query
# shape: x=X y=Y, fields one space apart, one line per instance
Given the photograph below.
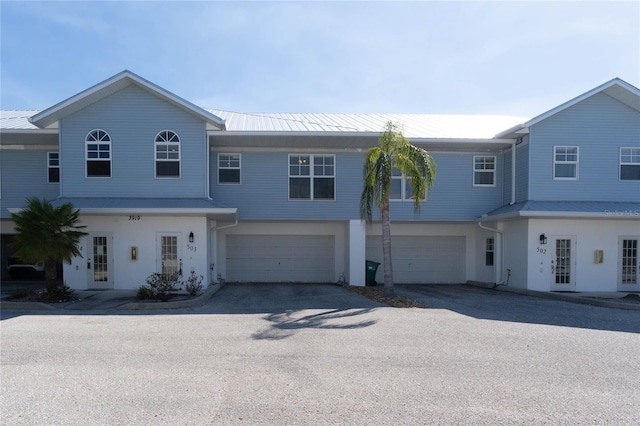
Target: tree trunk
x=386 y=251
x=51 y=275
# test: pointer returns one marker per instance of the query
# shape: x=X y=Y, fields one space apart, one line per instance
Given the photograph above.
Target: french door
x=169 y=256
x=100 y=261
x=628 y=265
x=563 y=264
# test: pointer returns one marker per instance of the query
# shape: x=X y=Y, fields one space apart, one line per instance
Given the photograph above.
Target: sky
x=510 y=58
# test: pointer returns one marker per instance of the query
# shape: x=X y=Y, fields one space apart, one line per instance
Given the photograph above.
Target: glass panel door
x=99 y=262
x=628 y=271
x=169 y=254
x=562 y=265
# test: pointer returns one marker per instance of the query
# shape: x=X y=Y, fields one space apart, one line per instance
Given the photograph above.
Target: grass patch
x=377 y=294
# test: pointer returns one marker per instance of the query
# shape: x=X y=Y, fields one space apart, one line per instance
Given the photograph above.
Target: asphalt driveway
x=312 y=354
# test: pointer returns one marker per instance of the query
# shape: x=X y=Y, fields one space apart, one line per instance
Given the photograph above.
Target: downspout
x=513 y=174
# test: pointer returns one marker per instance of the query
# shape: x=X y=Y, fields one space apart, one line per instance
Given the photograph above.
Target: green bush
x=193 y=284
x=159 y=286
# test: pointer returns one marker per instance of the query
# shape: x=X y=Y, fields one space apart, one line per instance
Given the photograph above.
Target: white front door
x=563 y=264
x=100 y=261
x=628 y=264
x=169 y=257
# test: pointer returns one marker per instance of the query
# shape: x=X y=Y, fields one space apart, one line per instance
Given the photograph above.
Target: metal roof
x=585 y=209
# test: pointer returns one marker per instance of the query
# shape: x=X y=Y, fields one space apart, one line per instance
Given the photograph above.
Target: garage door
x=280 y=258
x=422 y=259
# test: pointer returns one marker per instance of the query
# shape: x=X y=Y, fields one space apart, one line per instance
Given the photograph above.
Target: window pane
x=99 y=168
x=54 y=175
x=565 y=170
x=300 y=188
x=323 y=188
x=167 y=169
x=630 y=172
x=229 y=175
x=395 y=191
x=483 y=178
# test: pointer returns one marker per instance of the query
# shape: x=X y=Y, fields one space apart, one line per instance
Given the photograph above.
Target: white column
x=357 y=246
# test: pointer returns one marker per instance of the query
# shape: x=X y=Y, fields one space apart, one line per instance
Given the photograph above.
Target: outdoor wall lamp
x=543 y=239
x=190 y=237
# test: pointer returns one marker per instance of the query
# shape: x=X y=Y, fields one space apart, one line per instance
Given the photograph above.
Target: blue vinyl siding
x=24 y=175
x=133 y=118
x=263 y=193
x=599 y=126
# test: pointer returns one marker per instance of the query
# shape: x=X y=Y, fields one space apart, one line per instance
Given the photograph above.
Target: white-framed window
x=489 y=251
x=629 y=163
x=98 y=154
x=401 y=189
x=484 y=170
x=312 y=177
x=53 y=167
x=228 y=168
x=565 y=162
x=167 y=153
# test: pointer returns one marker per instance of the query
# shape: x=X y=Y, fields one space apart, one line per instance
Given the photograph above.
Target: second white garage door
x=280 y=258
x=422 y=259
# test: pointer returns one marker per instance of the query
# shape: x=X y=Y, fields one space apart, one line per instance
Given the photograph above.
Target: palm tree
x=393 y=151
x=49 y=234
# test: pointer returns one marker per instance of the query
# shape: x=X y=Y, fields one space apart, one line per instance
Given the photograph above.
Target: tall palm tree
x=49 y=234
x=418 y=168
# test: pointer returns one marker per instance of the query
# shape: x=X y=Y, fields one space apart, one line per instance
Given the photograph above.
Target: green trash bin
x=372 y=268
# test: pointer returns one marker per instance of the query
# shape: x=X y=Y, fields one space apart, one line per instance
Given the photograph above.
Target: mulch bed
x=377 y=294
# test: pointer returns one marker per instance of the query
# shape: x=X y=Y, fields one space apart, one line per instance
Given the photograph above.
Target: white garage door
x=421 y=259
x=280 y=258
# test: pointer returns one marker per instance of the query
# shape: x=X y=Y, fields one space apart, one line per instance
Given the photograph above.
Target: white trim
x=566 y=162
x=164 y=142
x=620 y=163
x=239 y=168
x=492 y=171
x=87 y=159
x=311 y=176
x=49 y=166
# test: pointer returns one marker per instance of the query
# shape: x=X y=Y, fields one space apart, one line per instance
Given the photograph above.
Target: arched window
x=167 y=154
x=98 y=153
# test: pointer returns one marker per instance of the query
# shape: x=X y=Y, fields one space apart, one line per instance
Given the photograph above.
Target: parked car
x=19 y=269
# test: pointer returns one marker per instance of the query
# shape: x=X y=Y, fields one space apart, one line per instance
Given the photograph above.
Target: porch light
x=543 y=239
x=190 y=237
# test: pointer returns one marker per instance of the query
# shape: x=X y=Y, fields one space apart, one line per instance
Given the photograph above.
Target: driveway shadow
x=496 y=305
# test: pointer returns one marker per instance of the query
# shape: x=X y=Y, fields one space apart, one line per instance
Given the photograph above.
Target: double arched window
x=167 y=148
x=98 y=153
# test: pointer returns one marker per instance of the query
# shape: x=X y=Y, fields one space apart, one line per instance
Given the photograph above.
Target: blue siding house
x=550 y=204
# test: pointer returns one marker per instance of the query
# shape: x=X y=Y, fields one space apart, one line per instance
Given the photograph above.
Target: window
x=401 y=189
x=53 y=167
x=98 y=144
x=629 y=163
x=488 y=254
x=167 y=154
x=311 y=177
x=484 y=170
x=565 y=162
x=228 y=168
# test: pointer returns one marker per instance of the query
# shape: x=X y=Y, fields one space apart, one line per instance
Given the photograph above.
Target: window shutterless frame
x=167 y=155
x=98 y=154
x=630 y=163
x=401 y=189
x=484 y=170
x=53 y=167
x=229 y=168
x=565 y=162
x=312 y=176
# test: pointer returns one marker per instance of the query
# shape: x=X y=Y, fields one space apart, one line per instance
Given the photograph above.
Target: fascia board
x=560 y=215
x=149 y=211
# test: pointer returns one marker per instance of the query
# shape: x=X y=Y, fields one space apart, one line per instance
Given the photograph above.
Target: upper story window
x=228 y=168
x=401 y=189
x=167 y=146
x=98 y=154
x=53 y=167
x=565 y=162
x=629 y=163
x=312 y=177
x=484 y=170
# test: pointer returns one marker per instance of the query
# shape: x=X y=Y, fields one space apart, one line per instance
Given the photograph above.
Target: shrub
x=194 y=284
x=159 y=286
x=145 y=293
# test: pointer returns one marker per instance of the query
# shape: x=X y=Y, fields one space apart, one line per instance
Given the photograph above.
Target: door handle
x=88 y=263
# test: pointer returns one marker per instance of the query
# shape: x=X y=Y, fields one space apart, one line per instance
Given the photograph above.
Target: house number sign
x=134 y=217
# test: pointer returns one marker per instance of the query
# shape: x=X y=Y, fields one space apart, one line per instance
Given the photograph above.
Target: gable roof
x=616 y=88
x=50 y=116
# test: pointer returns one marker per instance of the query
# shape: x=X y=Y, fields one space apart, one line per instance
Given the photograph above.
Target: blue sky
x=515 y=58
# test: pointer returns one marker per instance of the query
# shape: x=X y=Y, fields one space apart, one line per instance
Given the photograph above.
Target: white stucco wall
x=142 y=233
x=590 y=235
